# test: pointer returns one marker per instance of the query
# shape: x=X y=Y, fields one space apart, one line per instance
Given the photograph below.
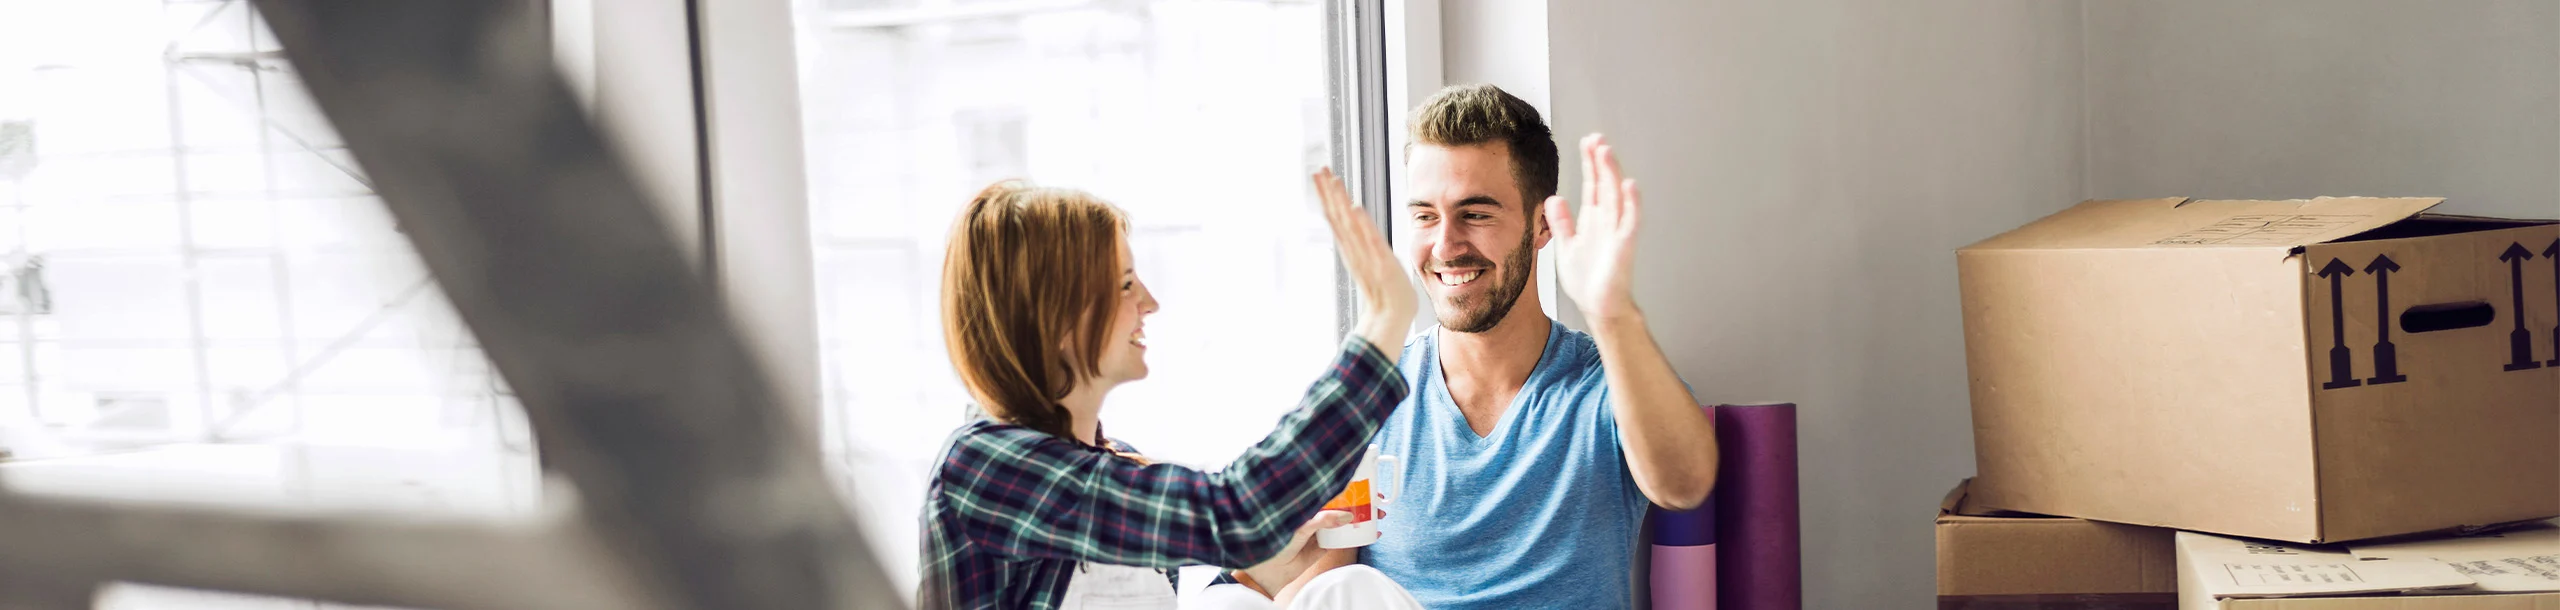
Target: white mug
x=1364 y=501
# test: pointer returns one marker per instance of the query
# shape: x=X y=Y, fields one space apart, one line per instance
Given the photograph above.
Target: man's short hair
x=1466 y=115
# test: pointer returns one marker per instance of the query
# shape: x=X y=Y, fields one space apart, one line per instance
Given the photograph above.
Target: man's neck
x=1505 y=354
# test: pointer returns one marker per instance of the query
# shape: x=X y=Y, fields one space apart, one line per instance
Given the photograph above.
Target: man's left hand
x=1596 y=248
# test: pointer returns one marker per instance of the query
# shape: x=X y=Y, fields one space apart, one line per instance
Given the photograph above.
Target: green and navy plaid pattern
x=1011 y=511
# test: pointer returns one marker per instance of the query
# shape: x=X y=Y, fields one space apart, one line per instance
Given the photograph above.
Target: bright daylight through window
x=200 y=296
x=1200 y=118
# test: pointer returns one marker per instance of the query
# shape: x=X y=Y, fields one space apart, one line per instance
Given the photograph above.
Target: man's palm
x=1595 y=249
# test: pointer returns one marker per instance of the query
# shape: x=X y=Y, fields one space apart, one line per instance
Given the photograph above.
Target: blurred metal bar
x=639 y=387
x=53 y=546
x=694 y=488
x=18 y=593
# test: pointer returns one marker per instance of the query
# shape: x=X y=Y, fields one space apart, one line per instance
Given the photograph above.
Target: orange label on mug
x=1354 y=499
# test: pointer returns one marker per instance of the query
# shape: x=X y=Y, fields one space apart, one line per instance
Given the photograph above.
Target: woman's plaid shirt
x=1011 y=511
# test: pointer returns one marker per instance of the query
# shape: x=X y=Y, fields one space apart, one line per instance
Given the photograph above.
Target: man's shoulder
x=1577 y=360
x=1416 y=354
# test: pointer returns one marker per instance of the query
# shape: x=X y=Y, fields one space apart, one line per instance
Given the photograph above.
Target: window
x=1201 y=118
x=200 y=295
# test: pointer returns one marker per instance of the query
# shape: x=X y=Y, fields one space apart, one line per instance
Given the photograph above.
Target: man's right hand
x=1386 y=293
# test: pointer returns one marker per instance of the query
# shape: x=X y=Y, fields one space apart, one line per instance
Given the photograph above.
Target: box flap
x=2228 y=568
x=2177 y=222
x=1960 y=503
x=1955 y=497
x=2520 y=560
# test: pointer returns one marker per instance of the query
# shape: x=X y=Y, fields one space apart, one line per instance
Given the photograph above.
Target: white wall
x=1810 y=168
x=2294 y=98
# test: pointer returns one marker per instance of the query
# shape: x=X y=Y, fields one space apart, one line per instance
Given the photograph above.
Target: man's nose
x=1446 y=243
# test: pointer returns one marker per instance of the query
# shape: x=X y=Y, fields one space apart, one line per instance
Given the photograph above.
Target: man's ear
x=1544 y=228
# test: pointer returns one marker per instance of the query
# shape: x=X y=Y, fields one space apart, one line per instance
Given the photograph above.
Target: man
x=1529 y=450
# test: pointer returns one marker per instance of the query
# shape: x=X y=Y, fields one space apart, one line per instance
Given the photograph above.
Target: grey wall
x=2293 y=98
x=1810 y=168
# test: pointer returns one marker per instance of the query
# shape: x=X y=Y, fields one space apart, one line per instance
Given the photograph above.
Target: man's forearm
x=1670 y=443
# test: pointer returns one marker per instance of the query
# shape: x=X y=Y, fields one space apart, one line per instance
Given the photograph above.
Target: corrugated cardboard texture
x=2156 y=362
x=2141 y=386
x=2051 y=556
x=2023 y=557
x=2448 y=435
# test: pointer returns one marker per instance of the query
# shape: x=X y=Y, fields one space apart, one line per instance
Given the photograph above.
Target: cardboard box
x=2321 y=370
x=1991 y=560
x=2516 y=570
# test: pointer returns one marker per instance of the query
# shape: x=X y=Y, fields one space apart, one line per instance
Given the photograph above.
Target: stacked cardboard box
x=2308 y=371
x=2000 y=560
x=2506 y=570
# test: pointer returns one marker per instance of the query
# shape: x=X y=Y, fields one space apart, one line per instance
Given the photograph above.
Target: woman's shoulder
x=982 y=445
x=985 y=433
x=1122 y=447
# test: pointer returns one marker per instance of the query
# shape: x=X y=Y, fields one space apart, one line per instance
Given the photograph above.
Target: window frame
x=1356 y=79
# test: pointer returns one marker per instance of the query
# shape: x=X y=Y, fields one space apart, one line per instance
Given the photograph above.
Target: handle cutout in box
x=2447 y=316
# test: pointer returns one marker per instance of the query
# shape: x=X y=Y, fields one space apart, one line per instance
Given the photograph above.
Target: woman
x=1032 y=507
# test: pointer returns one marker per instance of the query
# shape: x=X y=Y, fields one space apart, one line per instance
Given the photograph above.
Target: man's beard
x=1475 y=315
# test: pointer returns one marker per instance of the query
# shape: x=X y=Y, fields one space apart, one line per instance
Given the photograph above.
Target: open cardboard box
x=2517 y=569
x=2311 y=370
x=1989 y=559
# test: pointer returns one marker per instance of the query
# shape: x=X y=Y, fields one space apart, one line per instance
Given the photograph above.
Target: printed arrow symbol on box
x=2520 y=341
x=2386 y=357
x=2553 y=254
x=2341 y=360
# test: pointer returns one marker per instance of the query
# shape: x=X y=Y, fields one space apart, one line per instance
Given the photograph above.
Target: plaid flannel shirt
x=1011 y=511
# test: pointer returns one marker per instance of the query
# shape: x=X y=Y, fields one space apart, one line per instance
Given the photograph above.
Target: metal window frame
x=1356 y=83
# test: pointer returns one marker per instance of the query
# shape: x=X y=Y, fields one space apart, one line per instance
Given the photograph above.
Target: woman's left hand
x=1301 y=553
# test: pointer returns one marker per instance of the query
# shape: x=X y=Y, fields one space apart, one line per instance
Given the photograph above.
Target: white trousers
x=1351 y=587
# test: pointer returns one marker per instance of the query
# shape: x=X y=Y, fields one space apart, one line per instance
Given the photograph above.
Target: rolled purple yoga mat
x=1759 y=550
x=1684 y=558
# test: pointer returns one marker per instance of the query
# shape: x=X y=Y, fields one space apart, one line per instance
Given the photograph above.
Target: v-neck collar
x=1501 y=423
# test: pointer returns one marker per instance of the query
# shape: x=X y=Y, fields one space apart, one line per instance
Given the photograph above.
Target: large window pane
x=200 y=296
x=1201 y=118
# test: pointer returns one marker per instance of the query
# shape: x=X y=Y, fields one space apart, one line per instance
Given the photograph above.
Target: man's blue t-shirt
x=1539 y=513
